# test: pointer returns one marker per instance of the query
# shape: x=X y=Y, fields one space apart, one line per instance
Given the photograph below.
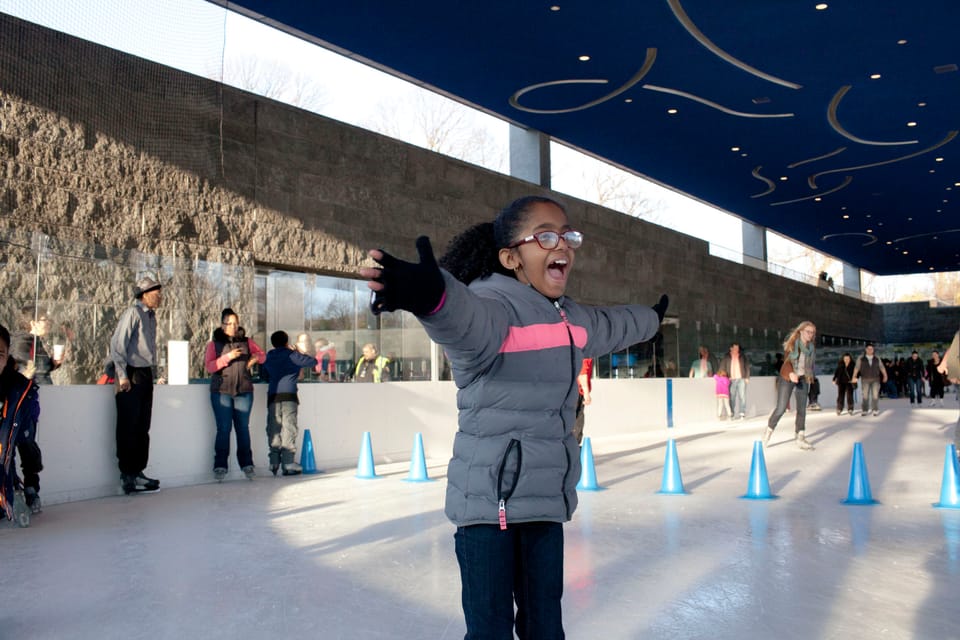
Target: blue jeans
x=738 y=396
x=232 y=411
x=915 y=385
x=783 y=397
x=870 y=391
x=522 y=563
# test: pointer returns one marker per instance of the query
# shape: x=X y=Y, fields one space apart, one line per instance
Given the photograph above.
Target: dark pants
x=232 y=411
x=31 y=461
x=783 y=398
x=134 y=410
x=844 y=390
x=524 y=563
x=915 y=386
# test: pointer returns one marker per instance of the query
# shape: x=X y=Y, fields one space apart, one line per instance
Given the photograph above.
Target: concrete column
x=530 y=156
x=754 y=241
x=851 y=277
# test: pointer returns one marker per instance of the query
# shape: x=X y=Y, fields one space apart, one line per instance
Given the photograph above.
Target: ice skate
x=802 y=441
x=147 y=484
x=219 y=474
x=21 y=512
x=250 y=472
x=292 y=469
x=766 y=437
x=33 y=500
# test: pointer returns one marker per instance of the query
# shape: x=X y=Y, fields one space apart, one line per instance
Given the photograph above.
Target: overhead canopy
x=836 y=127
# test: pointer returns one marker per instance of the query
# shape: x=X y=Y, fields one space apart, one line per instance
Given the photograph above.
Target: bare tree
x=438 y=124
x=275 y=80
x=946 y=287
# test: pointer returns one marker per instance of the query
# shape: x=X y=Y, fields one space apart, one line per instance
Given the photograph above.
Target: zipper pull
x=503 y=516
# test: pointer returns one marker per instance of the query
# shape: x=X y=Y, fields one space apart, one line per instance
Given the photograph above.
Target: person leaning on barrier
x=371 y=367
x=133 y=349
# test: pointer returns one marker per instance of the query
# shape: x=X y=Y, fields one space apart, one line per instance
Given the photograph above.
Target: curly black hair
x=475 y=253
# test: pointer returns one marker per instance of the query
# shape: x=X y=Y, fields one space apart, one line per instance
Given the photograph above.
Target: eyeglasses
x=551 y=239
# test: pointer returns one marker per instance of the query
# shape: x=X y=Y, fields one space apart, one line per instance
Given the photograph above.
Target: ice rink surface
x=333 y=556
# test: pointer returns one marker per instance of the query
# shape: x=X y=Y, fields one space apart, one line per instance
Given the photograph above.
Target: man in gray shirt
x=133 y=350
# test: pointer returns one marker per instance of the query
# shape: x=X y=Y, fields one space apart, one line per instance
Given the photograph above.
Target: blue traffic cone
x=859 y=491
x=758 y=487
x=365 y=469
x=588 y=475
x=672 y=481
x=950 y=485
x=418 y=464
x=308 y=463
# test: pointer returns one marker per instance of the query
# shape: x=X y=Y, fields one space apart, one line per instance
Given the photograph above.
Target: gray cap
x=145 y=284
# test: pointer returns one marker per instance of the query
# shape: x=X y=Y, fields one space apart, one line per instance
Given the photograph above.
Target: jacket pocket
x=508 y=475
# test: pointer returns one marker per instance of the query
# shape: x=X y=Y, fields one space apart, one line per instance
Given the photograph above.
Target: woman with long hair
x=796 y=374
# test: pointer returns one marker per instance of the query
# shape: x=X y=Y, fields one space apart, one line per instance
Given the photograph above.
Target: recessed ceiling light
x=906 y=253
x=909 y=219
x=583 y=58
x=945 y=201
x=554 y=8
x=879 y=224
x=843 y=208
x=956 y=184
x=869 y=215
x=846 y=217
x=938 y=159
x=874 y=76
x=931 y=268
x=869 y=230
x=911 y=124
x=743 y=155
x=672 y=111
x=921 y=104
x=901 y=42
x=821 y=6
x=628 y=100
x=783 y=177
x=932 y=171
x=817 y=199
x=738 y=149
x=889 y=241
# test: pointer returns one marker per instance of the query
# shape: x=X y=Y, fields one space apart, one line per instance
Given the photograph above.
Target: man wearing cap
x=133 y=350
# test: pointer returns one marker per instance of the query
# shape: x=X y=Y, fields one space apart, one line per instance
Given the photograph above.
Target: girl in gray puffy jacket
x=515 y=343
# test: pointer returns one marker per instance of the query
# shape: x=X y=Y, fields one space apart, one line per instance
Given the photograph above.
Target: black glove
x=661 y=306
x=416 y=287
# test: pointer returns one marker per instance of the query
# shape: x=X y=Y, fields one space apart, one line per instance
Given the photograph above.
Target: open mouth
x=557 y=269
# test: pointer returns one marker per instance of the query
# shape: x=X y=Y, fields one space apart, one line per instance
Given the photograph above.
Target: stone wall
x=142 y=167
x=918 y=322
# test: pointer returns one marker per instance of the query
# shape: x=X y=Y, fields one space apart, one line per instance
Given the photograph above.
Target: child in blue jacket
x=283 y=366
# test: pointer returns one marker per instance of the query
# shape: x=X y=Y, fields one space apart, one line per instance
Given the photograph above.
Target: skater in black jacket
x=21 y=409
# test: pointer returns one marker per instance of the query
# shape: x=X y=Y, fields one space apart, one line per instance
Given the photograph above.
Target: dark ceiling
x=777 y=117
